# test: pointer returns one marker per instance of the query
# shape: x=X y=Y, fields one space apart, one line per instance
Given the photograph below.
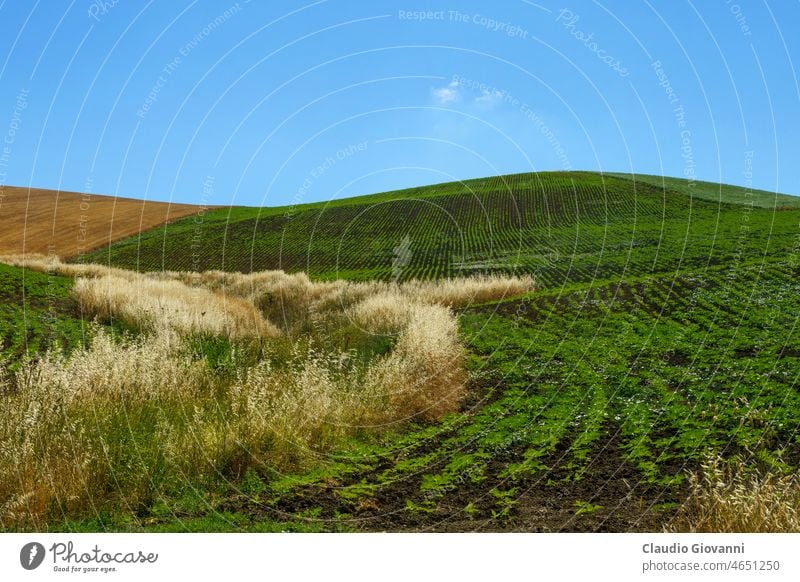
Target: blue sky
x=270 y=103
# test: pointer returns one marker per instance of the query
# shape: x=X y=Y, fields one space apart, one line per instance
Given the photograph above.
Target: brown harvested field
x=68 y=223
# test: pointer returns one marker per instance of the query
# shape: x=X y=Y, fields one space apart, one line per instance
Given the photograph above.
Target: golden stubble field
x=68 y=224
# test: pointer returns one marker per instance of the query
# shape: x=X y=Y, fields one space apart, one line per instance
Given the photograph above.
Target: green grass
x=36 y=313
x=563 y=227
x=665 y=328
x=635 y=380
x=714 y=192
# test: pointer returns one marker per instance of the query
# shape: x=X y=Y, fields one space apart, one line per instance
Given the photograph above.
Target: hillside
x=714 y=192
x=36 y=313
x=562 y=227
x=663 y=333
x=68 y=224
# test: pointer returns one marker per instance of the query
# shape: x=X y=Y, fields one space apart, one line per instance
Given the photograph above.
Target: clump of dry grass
x=387 y=308
x=424 y=375
x=299 y=410
x=150 y=304
x=459 y=292
x=294 y=298
x=52 y=264
x=382 y=313
x=320 y=397
x=724 y=497
x=73 y=428
x=126 y=418
x=129 y=418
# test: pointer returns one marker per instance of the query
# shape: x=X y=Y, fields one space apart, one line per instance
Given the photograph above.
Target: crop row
x=647 y=376
x=501 y=224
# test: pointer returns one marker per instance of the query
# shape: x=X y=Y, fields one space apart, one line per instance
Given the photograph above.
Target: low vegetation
x=207 y=388
x=732 y=496
x=370 y=385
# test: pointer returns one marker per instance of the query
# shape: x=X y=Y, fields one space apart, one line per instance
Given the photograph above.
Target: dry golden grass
x=124 y=419
x=151 y=304
x=73 y=427
x=423 y=377
x=68 y=224
x=725 y=498
x=459 y=292
x=154 y=300
x=132 y=417
x=285 y=299
x=289 y=297
x=53 y=264
x=384 y=312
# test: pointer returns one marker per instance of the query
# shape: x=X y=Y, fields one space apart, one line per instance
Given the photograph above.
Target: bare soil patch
x=68 y=223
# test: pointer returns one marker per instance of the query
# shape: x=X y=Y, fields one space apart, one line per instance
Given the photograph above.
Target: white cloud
x=446 y=95
x=489 y=97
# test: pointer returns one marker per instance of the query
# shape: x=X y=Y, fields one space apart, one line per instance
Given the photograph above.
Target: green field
x=36 y=313
x=723 y=193
x=563 y=227
x=664 y=329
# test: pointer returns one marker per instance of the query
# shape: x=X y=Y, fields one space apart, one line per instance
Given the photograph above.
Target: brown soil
x=620 y=502
x=68 y=224
x=612 y=493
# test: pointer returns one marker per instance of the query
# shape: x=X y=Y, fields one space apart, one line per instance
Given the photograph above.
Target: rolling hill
x=67 y=224
x=562 y=227
x=664 y=330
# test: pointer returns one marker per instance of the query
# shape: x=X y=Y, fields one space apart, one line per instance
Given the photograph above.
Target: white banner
x=353 y=557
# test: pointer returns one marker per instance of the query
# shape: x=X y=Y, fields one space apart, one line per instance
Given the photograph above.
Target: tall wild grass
x=731 y=497
x=227 y=372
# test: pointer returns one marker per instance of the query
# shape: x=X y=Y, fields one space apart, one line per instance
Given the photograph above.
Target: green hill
x=665 y=329
x=564 y=227
x=714 y=192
